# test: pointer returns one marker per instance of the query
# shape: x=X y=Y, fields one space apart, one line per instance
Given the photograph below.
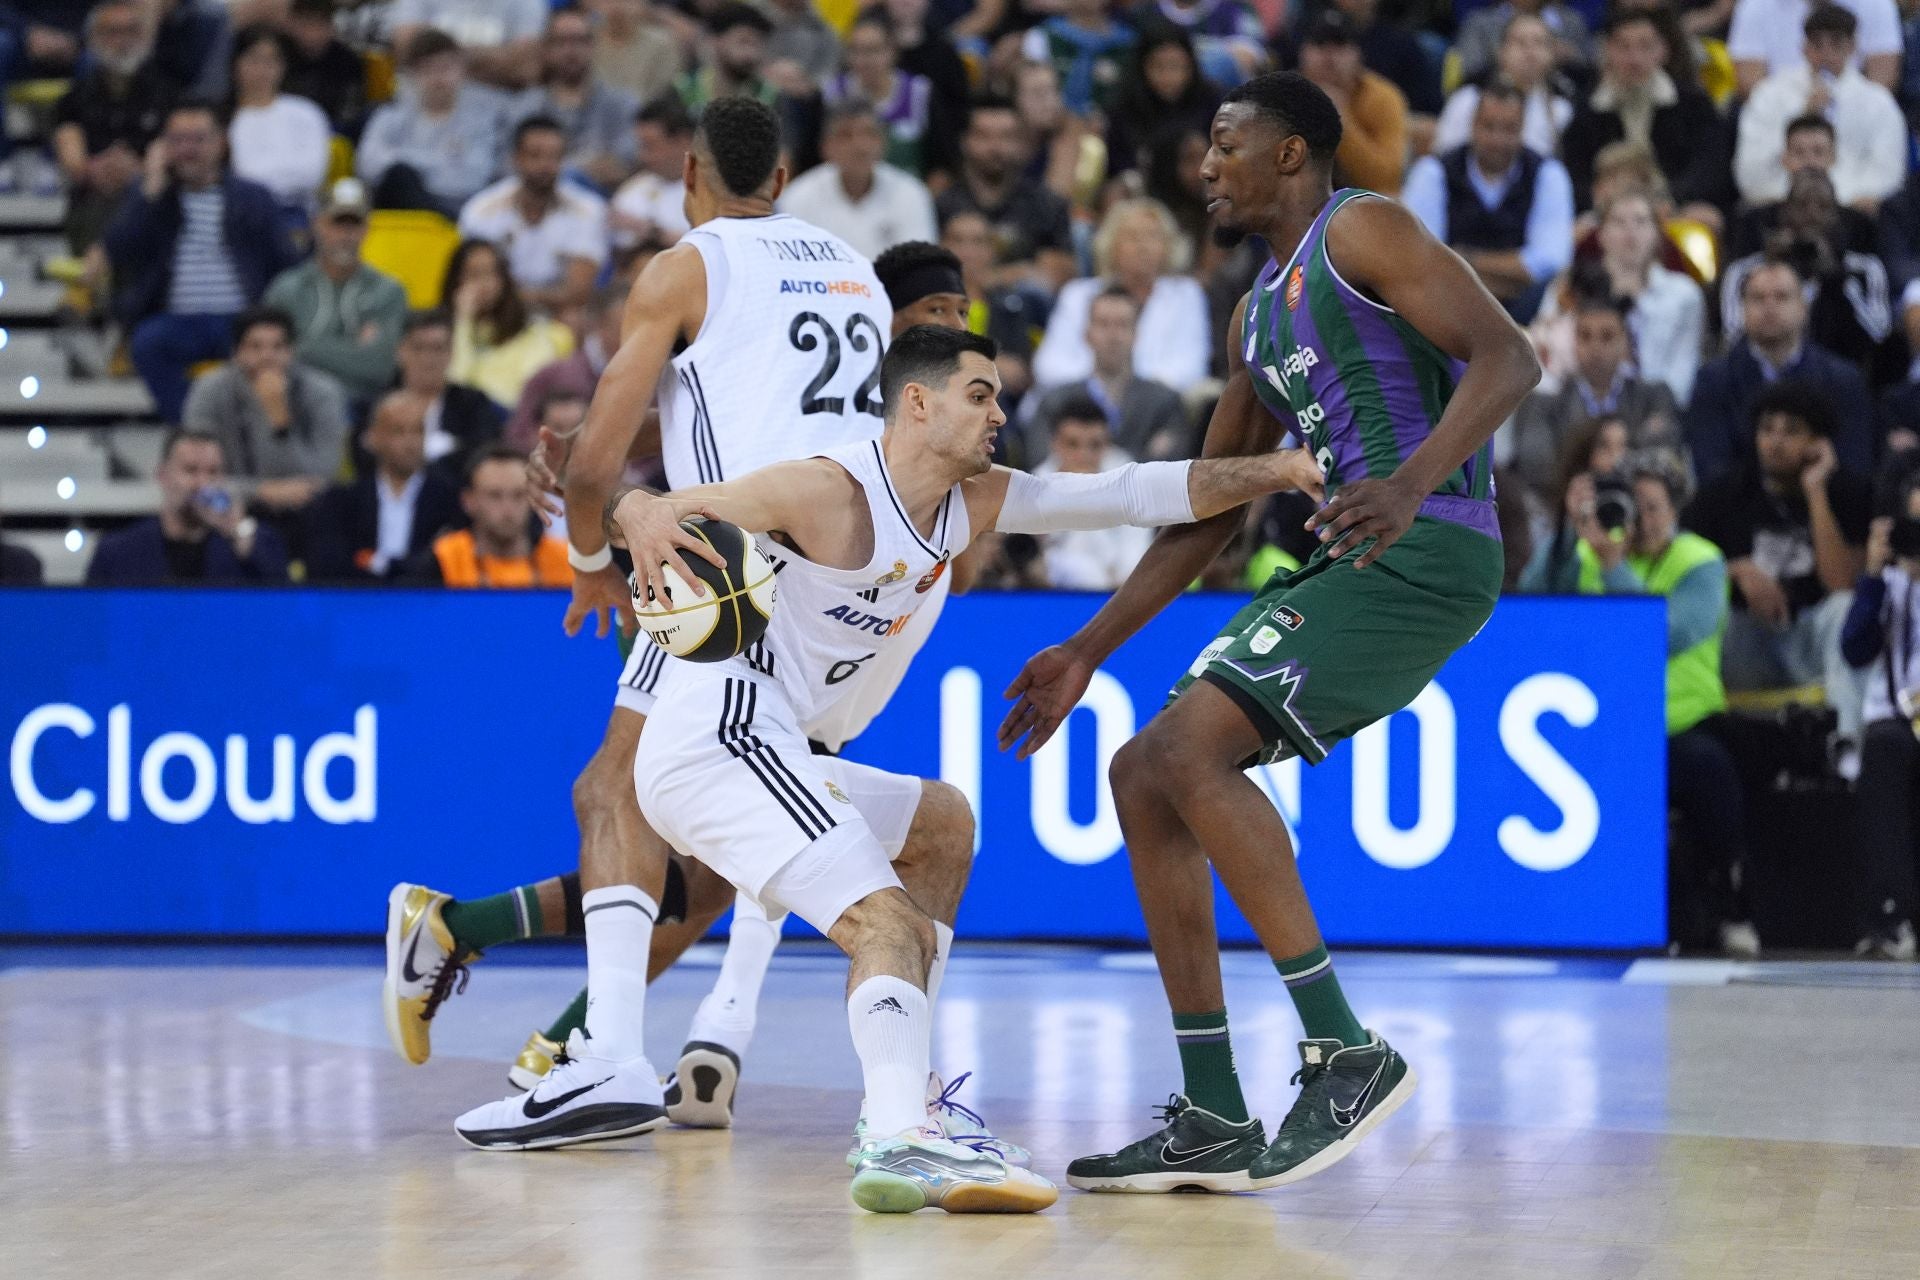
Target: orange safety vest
x=461 y=565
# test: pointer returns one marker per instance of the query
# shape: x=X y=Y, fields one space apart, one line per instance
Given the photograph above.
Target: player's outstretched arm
x=1145 y=495
x=807 y=500
x=669 y=300
x=1054 y=679
x=1382 y=249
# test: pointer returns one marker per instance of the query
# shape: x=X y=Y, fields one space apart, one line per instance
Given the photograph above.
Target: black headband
x=927 y=278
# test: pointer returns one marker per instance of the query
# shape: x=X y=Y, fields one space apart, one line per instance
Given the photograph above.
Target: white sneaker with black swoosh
x=585 y=1098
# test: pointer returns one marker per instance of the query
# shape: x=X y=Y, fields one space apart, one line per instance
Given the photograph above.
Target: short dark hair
x=668 y=112
x=906 y=259
x=989 y=102
x=728 y=16
x=1594 y=301
x=495 y=452
x=198 y=106
x=429 y=318
x=1831 y=20
x=259 y=33
x=253 y=317
x=1501 y=89
x=188 y=435
x=430 y=43
x=1811 y=123
x=1793 y=398
x=1771 y=262
x=1295 y=105
x=311 y=9
x=536 y=123
x=928 y=354
x=851 y=108
x=743 y=137
x=1620 y=17
x=1080 y=407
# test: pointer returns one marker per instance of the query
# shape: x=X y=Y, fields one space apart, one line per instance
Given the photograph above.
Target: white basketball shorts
x=725 y=775
x=640 y=677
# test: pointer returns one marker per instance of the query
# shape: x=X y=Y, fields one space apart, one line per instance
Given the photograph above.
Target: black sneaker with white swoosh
x=1195 y=1151
x=1345 y=1093
x=585 y=1098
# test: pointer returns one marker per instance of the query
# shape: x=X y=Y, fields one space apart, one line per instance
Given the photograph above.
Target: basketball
x=734 y=612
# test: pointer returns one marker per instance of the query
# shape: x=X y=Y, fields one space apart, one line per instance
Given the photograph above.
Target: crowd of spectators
x=1706 y=214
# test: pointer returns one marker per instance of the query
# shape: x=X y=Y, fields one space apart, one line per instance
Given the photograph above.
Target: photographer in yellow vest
x=1631 y=543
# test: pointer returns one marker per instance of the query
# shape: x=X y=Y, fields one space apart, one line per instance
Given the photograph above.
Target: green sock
x=1317 y=997
x=504 y=917
x=574 y=1018
x=1206 y=1060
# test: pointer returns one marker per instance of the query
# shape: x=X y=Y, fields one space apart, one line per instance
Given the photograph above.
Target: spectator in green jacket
x=346 y=315
x=1653 y=556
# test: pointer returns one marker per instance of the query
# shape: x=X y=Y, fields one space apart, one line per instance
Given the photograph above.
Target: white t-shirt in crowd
x=575 y=227
x=650 y=198
x=1774 y=30
x=1174 y=342
x=898 y=207
x=476 y=24
x=284 y=147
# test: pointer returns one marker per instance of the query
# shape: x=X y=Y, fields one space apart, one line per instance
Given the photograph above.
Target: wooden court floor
x=230 y=1113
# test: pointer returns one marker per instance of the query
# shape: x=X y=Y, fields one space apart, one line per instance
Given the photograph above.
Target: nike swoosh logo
x=407 y=970
x=1345 y=1116
x=1170 y=1155
x=537 y=1107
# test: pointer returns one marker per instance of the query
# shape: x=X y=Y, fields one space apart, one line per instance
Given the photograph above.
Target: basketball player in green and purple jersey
x=1377 y=347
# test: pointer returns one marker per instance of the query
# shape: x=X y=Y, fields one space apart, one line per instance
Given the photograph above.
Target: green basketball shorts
x=1322 y=652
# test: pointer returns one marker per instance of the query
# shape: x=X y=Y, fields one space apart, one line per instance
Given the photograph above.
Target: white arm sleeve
x=1141 y=493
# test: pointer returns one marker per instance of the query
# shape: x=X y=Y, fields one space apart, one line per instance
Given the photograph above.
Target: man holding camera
x=202 y=535
x=1879 y=636
x=1631 y=543
x=1792 y=521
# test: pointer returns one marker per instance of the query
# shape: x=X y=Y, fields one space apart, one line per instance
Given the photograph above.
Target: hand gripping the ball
x=651 y=527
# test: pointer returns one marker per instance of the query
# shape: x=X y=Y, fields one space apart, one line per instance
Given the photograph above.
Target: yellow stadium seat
x=1450 y=75
x=42 y=94
x=1716 y=71
x=413 y=246
x=339 y=160
x=1696 y=241
x=378 y=65
x=838 y=14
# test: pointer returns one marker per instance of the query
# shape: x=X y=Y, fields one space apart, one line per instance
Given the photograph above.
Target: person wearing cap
x=1373 y=113
x=346 y=315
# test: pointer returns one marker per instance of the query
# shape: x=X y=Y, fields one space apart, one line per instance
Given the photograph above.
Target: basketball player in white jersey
x=923 y=284
x=859 y=534
x=764 y=335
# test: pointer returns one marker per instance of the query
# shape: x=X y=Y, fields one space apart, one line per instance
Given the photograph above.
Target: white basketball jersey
x=787 y=364
x=830 y=624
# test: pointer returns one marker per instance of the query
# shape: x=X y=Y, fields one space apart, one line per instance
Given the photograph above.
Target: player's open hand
x=600 y=594
x=1047 y=690
x=543 y=481
x=1381 y=509
x=650 y=526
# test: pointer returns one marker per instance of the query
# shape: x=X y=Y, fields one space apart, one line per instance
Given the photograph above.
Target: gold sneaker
x=424 y=967
x=535 y=1060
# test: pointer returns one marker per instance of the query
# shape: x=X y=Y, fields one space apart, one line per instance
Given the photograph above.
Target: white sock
x=727 y=1015
x=942 y=948
x=619 y=931
x=891 y=1033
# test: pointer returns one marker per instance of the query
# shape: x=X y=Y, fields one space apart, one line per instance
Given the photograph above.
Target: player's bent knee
x=884 y=918
x=944 y=822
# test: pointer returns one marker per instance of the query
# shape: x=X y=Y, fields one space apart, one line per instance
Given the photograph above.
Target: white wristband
x=589 y=561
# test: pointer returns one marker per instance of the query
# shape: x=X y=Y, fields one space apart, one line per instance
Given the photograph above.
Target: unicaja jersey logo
x=178 y=777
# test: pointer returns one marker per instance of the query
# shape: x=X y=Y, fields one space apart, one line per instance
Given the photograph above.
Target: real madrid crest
x=1296 y=280
x=899 y=572
x=932 y=575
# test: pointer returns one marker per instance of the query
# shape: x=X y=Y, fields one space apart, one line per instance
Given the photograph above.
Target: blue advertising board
x=271 y=762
